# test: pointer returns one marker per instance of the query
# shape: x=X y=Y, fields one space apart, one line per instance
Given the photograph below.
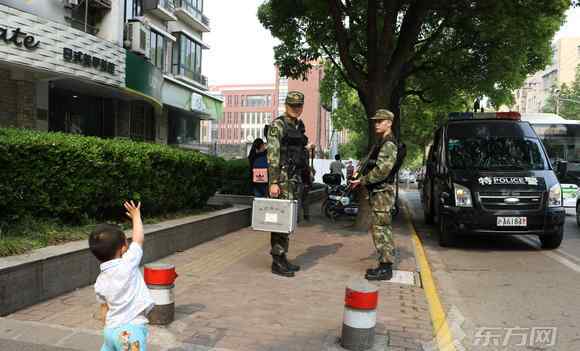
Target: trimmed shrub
x=236 y=176
x=73 y=177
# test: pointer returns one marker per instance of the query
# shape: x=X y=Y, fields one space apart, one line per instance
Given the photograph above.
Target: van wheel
x=578 y=213
x=446 y=237
x=553 y=241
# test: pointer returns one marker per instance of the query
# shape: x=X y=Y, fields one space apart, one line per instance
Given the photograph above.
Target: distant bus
x=561 y=138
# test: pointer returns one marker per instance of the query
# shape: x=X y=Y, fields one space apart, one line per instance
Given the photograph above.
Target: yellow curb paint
x=441 y=329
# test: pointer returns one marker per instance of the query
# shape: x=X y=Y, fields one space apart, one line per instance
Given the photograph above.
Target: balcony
x=162 y=9
x=191 y=77
x=190 y=15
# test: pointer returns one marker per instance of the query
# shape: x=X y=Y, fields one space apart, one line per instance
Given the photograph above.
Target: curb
x=441 y=330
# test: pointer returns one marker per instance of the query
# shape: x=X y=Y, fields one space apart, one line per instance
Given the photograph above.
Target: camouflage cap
x=295 y=98
x=383 y=114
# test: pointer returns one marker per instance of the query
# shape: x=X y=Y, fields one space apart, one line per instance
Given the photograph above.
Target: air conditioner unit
x=138 y=37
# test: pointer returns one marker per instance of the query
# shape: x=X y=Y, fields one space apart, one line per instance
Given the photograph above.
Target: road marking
x=558 y=255
x=441 y=329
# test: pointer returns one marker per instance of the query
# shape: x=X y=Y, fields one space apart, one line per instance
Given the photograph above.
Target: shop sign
x=197 y=103
x=88 y=61
x=18 y=38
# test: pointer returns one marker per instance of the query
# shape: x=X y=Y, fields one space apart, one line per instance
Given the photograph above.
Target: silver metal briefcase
x=274 y=215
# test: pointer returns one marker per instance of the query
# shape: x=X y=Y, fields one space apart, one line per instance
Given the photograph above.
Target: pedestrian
x=259 y=168
x=120 y=288
x=286 y=161
x=336 y=166
x=380 y=184
x=349 y=170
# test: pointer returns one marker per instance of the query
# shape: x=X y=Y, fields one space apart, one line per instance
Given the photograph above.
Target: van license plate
x=512 y=221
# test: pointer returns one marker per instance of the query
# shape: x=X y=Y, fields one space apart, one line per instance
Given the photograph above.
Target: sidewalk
x=227 y=299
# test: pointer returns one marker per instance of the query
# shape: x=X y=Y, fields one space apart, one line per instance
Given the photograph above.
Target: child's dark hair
x=105 y=241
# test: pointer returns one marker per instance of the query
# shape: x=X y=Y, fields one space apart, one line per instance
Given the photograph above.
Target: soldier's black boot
x=290 y=266
x=279 y=267
x=383 y=272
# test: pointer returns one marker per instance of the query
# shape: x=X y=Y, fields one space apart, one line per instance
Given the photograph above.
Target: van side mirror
x=561 y=169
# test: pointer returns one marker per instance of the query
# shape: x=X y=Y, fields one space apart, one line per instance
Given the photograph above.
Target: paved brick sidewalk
x=227 y=299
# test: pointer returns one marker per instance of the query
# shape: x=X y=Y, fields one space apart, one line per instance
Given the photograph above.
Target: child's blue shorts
x=131 y=337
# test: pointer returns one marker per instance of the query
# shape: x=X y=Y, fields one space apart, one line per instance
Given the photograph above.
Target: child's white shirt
x=121 y=286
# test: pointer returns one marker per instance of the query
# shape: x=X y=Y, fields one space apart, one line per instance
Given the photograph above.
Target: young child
x=120 y=288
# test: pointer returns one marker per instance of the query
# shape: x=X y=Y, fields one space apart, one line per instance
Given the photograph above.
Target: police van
x=488 y=173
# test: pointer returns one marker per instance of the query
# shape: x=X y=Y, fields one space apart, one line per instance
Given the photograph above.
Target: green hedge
x=236 y=176
x=72 y=177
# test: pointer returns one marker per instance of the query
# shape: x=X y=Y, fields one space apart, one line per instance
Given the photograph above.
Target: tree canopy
x=433 y=49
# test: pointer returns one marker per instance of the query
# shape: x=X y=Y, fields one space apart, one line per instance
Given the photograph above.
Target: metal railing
x=189 y=7
x=167 y=4
x=186 y=72
x=80 y=25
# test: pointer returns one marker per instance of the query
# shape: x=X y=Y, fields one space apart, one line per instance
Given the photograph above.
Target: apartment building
x=127 y=68
x=247 y=109
x=169 y=34
x=537 y=88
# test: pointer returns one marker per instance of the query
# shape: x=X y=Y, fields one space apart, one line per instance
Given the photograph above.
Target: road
x=505 y=293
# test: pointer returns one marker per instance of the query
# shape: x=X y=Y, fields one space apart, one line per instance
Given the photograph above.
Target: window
x=189 y=58
x=142 y=122
x=258 y=100
x=158 y=48
x=133 y=9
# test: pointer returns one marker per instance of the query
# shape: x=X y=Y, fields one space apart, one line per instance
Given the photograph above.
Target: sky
x=242 y=50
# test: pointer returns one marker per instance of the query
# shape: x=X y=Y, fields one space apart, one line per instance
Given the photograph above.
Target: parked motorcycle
x=340 y=200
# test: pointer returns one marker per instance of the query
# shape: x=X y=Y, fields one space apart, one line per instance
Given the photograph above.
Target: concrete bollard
x=159 y=278
x=163 y=312
x=360 y=316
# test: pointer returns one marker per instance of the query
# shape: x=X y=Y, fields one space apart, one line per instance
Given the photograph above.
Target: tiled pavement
x=227 y=299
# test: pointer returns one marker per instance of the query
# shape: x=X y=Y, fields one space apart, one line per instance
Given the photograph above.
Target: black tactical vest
x=401 y=153
x=292 y=154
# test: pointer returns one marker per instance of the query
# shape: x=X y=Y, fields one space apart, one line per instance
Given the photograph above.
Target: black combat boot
x=290 y=266
x=279 y=267
x=383 y=272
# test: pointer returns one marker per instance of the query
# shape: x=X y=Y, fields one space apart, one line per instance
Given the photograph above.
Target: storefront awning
x=178 y=94
x=214 y=107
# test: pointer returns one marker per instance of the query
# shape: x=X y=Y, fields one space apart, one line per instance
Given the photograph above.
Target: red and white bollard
x=360 y=316
x=159 y=278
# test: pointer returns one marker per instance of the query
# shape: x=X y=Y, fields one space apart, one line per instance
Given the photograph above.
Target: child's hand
x=132 y=210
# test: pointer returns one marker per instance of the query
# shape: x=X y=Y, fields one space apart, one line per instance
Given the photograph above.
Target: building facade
x=247 y=109
x=315 y=117
x=537 y=88
x=127 y=68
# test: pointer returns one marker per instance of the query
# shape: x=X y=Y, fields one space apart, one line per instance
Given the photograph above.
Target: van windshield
x=496 y=153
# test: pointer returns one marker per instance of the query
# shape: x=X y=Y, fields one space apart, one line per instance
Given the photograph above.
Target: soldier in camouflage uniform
x=286 y=160
x=381 y=195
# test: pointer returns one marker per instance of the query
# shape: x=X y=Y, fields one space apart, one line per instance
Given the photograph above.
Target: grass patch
x=33 y=233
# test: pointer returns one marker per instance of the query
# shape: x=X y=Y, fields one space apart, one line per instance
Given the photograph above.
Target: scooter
x=341 y=199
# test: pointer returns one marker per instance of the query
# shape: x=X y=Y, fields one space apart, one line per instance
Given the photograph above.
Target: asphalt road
x=505 y=293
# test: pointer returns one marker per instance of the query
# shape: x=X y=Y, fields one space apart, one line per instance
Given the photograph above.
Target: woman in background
x=259 y=168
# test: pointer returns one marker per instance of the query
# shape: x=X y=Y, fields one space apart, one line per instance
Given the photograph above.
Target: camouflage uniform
x=289 y=181
x=382 y=200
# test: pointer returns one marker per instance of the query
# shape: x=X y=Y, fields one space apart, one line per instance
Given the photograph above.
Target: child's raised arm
x=134 y=212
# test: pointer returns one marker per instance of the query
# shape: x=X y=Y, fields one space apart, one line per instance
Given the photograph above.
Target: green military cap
x=383 y=114
x=295 y=98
